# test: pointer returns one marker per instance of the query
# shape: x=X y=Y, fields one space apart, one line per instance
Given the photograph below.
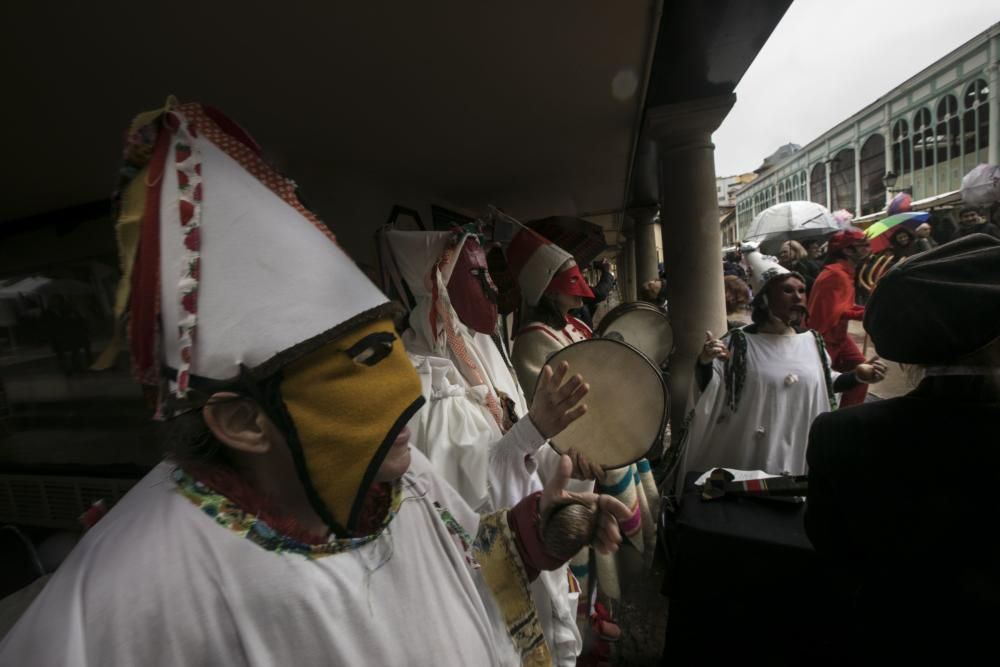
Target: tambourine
x=642 y=325
x=626 y=405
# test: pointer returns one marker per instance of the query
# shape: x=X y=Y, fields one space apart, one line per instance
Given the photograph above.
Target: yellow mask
x=348 y=401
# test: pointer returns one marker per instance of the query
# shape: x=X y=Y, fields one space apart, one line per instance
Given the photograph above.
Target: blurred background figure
x=815 y=249
x=924 y=239
x=972 y=221
x=655 y=292
x=732 y=265
x=737 y=299
x=794 y=257
x=832 y=306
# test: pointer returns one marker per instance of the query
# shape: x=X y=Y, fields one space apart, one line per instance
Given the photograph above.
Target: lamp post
x=889 y=181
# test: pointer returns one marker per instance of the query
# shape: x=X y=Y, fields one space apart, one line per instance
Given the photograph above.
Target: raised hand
x=605 y=536
x=712 y=349
x=556 y=403
x=872 y=371
x=583 y=468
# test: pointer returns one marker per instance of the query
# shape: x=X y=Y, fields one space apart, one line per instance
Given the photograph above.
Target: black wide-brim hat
x=940 y=305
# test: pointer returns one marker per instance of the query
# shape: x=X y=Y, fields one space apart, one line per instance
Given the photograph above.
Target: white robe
x=157 y=582
x=785 y=391
x=490 y=469
x=460 y=436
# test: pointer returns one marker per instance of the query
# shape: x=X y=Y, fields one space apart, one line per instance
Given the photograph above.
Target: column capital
x=690 y=122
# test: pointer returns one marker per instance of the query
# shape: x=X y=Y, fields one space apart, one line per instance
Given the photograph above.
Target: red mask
x=471 y=289
x=570 y=281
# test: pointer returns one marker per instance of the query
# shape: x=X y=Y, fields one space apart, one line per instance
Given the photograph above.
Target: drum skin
x=626 y=405
x=642 y=325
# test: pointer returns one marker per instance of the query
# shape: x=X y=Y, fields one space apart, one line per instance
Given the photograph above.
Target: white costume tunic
x=158 y=582
x=785 y=390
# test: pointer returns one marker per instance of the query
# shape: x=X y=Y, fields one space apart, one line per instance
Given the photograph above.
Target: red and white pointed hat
x=540 y=267
x=231 y=272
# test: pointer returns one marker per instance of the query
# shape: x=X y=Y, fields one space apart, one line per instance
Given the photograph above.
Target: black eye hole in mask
x=371 y=349
x=480 y=274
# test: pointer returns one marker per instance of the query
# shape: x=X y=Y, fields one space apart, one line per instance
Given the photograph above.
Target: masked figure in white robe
x=292 y=524
x=476 y=428
x=551 y=285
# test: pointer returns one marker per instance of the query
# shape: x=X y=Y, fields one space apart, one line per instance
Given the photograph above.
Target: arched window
x=817 y=184
x=947 y=130
x=923 y=140
x=781 y=192
x=872 y=171
x=901 y=148
x=975 y=123
x=947 y=137
x=842 y=180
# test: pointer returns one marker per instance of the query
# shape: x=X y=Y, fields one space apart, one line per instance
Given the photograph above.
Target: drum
x=642 y=325
x=626 y=406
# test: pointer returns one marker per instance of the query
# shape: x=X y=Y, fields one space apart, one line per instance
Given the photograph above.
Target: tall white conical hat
x=761 y=268
x=247 y=277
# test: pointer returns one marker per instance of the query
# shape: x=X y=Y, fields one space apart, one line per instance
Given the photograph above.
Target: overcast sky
x=828 y=59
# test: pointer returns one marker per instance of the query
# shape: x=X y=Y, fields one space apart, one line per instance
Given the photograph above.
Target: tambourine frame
x=622 y=309
x=656 y=371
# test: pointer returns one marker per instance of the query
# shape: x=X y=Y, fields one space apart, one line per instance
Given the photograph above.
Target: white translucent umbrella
x=981 y=186
x=792 y=220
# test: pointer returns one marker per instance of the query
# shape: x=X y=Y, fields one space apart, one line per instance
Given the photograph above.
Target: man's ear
x=238 y=422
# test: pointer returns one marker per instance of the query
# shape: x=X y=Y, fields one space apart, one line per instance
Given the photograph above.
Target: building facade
x=726 y=187
x=929 y=131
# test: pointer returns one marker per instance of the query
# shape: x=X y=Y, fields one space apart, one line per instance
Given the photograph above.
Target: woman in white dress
x=760 y=387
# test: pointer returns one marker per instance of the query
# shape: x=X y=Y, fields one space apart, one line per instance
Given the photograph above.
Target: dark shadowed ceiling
x=537 y=105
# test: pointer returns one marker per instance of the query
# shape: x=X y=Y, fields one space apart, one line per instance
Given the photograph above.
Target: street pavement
x=897 y=381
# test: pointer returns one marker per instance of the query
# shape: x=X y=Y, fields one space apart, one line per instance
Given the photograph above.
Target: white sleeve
x=463 y=442
x=513 y=464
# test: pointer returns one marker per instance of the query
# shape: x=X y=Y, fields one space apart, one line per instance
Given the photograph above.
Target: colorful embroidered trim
x=229 y=515
x=825 y=360
x=189 y=193
x=736 y=368
x=496 y=553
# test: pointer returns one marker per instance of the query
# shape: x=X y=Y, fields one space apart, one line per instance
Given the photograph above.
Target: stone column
x=692 y=241
x=993 y=152
x=644 y=232
x=633 y=286
x=829 y=185
x=889 y=153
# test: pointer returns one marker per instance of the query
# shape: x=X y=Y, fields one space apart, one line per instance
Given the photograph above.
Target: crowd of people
x=343 y=486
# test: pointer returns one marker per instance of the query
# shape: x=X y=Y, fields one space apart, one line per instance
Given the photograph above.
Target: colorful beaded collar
x=229 y=515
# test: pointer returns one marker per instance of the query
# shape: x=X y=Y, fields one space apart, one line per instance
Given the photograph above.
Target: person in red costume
x=831 y=306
